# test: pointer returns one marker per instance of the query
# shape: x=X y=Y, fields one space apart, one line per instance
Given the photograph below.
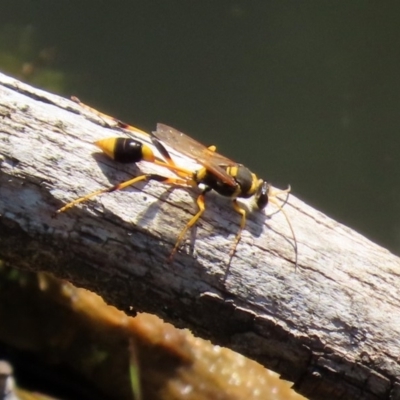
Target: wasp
x=128 y=150
x=216 y=173
x=220 y=174
x=125 y=150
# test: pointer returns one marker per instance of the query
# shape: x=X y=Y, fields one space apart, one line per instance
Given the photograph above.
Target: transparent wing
x=186 y=145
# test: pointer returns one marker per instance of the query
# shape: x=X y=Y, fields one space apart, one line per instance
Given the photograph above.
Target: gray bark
x=332 y=327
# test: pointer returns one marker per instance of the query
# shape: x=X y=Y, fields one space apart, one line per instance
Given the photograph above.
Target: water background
x=306 y=93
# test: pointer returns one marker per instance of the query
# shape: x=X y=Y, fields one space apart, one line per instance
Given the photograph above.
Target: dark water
x=306 y=93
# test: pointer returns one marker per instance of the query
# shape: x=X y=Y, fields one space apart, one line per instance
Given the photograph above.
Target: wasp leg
x=123 y=185
x=106 y=144
x=242 y=212
x=182 y=172
x=103 y=116
x=202 y=206
x=129 y=150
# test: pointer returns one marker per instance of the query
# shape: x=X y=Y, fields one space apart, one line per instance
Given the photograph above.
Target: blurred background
x=306 y=93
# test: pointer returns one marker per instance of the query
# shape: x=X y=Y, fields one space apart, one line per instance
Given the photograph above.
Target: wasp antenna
x=279 y=206
x=276 y=193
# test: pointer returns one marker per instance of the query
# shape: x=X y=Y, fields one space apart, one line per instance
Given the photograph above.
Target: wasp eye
x=262 y=195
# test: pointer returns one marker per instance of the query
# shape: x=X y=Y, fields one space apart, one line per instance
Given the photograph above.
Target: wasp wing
x=188 y=146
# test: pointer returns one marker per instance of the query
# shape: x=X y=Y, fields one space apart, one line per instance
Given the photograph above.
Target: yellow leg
x=182 y=172
x=119 y=123
x=170 y=164
x=201 y=203
x=242 y=212
x=123 y=185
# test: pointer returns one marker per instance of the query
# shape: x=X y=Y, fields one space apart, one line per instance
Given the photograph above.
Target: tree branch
x=332 y=327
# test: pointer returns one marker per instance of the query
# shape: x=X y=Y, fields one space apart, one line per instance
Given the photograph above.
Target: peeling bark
x=332 y=327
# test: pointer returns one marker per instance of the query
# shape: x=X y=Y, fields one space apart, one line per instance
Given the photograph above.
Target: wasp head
x=261 y=195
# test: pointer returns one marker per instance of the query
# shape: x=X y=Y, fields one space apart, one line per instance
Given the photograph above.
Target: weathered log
x=332 y=327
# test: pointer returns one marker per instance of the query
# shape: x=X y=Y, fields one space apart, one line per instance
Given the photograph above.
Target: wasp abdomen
x=125 y=150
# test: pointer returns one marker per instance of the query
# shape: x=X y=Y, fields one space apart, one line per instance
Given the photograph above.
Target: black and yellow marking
x=126 y=150
x=218 y=173
x=222 y=175
x=123 y=185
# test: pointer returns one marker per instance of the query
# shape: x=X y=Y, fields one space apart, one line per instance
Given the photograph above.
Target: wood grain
x=332 y=327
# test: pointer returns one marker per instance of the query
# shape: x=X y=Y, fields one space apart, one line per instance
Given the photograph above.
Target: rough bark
x=332 y=327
